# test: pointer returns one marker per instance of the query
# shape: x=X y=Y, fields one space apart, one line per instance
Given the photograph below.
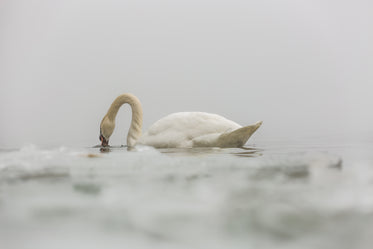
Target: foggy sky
x=303 y=67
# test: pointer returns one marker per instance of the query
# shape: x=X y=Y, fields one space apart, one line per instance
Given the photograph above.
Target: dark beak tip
x=104 y=142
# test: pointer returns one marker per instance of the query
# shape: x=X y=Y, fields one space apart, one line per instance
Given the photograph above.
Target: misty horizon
x=302 y=67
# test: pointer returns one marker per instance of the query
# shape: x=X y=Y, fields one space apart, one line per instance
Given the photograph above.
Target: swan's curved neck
x=136 y=123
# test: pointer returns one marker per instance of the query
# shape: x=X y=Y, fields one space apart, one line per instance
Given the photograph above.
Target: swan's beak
x=104 y=142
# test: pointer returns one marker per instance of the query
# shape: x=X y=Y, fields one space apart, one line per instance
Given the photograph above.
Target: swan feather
x=187 y=129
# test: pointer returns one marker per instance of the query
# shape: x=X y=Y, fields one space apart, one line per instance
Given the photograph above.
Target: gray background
x=303 y=67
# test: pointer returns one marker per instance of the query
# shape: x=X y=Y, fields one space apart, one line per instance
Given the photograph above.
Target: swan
x=177 y=130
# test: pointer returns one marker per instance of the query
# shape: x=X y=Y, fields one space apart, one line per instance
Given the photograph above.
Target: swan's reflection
x=248 y=152
x=107 y=149
x=103 y=149
x=239 y=152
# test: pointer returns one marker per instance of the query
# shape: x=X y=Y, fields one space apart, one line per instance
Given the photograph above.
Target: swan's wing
x=200 y=123
x=209 y=140
x=179 y=129
x=238 y=137
x=230 y=139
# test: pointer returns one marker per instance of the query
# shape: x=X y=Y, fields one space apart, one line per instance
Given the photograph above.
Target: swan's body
x=177 y=130
x=187 y=129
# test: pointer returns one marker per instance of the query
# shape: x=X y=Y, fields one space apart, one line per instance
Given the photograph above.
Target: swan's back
x=179 y=129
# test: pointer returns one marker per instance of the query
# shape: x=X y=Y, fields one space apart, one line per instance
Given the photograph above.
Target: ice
x=255 y=197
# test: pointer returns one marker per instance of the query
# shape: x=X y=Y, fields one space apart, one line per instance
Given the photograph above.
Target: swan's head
x=106 y=129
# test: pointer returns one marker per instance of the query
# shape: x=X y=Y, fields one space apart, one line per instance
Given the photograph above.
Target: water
x=273 y=195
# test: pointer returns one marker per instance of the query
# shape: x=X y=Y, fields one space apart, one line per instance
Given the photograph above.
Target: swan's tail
x=238 y=137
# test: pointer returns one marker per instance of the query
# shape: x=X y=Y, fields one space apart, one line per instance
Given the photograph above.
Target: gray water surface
x=275 y=195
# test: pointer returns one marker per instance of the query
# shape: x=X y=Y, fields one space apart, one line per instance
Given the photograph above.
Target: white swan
x=177 y=130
